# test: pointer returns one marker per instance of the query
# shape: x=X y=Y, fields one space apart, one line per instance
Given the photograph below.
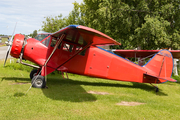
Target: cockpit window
x=40 y=37
x=81 y=41
x=71 y=35
x=46 y=41
x=53 y=42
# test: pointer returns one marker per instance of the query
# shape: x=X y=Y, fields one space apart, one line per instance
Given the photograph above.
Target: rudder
x=161 y=66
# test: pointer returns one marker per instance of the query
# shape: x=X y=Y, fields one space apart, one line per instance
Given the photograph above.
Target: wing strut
x=60 y=40
x=75 y=54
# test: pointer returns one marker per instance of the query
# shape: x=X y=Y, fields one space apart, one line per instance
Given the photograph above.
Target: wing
x=143 y=53
x=175 y=53
x=89 y=35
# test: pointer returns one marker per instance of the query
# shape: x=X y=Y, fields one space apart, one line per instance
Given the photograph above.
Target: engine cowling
x=17 y=45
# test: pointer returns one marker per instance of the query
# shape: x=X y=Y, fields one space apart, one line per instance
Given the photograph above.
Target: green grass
x=68 y=99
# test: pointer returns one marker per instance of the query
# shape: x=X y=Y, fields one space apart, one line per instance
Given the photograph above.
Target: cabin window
x=40 y=37
x=59 y=47
x=81 y=41
x=71 y=36
x=46 y=41
x=68 y=47
x=53 y=42
x=78 y=48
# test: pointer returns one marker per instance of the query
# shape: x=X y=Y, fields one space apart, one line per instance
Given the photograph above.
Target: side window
x=82 y=52
x=81 y=41
x=71 y=36
x=59 y=47
x=68 y=47
x=53 y=42
x=40 y=37
x=46 y=41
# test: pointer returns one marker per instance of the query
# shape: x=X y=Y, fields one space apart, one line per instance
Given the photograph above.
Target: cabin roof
x=89 y=35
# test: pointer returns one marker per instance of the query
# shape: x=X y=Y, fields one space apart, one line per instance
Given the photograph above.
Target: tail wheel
x=38 y=81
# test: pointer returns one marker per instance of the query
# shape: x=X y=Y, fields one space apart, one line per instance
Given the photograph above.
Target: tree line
x=147 y=24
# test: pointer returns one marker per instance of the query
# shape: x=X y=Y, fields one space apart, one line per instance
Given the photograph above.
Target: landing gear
x=33 y=73
x=157 y=89
x=38 y=82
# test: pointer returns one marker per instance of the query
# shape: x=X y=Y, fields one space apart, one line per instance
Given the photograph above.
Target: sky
x=29 y=14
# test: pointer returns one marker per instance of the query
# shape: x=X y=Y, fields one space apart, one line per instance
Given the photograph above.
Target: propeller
x=10 y=44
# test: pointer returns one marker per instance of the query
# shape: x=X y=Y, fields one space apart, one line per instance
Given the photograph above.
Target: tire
x=33 y=73
x=38 y=82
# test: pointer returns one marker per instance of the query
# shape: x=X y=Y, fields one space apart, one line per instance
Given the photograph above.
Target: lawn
x=83 y=98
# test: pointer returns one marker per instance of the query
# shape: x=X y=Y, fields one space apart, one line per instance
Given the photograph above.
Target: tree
x=52 y=24
x=34 y=33
x=75 y=16
x=148 y=24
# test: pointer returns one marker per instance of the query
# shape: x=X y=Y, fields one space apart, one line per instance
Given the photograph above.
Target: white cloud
x=30 y=13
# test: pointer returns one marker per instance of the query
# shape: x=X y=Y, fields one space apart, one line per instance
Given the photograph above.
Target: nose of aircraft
x=17 y=45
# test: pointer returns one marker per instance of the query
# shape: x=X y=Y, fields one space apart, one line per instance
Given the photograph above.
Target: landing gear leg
x=157 y=89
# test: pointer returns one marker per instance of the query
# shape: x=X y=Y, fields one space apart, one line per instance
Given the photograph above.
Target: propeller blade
x=13 y=32
x=10 y=44
x=6 y=57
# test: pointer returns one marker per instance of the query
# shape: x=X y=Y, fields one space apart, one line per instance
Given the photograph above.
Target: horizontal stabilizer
x=152 y=78
x=168 y=78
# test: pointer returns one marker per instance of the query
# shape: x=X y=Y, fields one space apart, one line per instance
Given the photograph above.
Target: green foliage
x=33 y=34
x=152 y=34
x=149 y=24
x=52 y=24
x=11 y=64
x=75 y=16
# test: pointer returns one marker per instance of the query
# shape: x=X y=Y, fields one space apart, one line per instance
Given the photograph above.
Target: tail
x=159 y=68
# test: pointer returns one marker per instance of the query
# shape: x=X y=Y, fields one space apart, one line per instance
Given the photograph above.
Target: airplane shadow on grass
x=16 y=79
x=64 y=87
x=71 y=90
x=58 y=90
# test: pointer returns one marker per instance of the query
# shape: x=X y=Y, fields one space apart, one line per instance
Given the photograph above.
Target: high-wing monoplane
x=75 y=49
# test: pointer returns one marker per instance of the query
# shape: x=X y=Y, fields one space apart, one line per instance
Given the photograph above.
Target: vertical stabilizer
x=161 y=66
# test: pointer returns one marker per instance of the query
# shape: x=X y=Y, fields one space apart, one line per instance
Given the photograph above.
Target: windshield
x=40 y=37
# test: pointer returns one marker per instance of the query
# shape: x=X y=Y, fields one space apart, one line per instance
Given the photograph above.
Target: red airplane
x=75 y=49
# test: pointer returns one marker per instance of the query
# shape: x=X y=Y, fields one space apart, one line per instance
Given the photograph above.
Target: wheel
x=38 y=82
x=33 y=73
